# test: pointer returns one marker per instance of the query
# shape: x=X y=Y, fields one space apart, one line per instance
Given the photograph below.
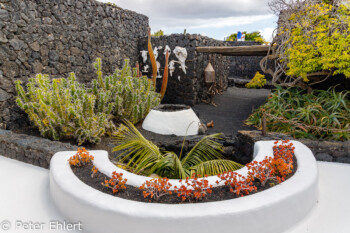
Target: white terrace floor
x=24 y=196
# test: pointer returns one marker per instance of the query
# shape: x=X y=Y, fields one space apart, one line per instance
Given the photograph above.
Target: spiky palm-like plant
x=145 y=158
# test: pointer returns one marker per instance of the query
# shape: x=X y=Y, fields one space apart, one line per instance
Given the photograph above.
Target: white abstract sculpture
x=155 y=52
x=145 y=69
x=167 y=48
x=181 y=54
x=171 y=67
x=158 y=67
x=144 y=55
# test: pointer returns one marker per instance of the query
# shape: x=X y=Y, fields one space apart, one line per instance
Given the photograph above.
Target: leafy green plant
x=311 y=44
x=259 y=80
x=145 y=158
x=253 y=36
x=320 y=114
x=63 y=109
x=261 y=40
x=325 y=47
x=158 y=33
x=124 y=94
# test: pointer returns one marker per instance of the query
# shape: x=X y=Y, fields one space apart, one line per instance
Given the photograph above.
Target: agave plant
x=319 y=114
x=145 y=158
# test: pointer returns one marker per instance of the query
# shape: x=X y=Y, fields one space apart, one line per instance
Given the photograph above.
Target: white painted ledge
x=168 y=123
x=272 y=211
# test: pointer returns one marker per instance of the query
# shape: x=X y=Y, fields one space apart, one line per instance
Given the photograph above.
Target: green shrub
x=258 y=81
x=320 y=114
x=320 y=41
x=123 y=94
x=311 y=44
x=158 y=33
x=63 y=109
x=253 y=36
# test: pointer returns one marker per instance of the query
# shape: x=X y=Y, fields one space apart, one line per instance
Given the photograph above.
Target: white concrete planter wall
x=271 y=211
x=181 y=123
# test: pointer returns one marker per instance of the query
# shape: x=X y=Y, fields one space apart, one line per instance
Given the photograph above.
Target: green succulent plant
x=321 y=114
x=63 y=109
x=143 y=157
x=123 y=94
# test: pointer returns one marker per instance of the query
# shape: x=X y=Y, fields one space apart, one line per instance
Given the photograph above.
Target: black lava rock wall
x=57 y=37
x=245 y=67
x=188 y=88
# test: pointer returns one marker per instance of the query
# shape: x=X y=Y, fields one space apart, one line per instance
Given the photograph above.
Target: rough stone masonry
x=57 y=37
x=188 y=88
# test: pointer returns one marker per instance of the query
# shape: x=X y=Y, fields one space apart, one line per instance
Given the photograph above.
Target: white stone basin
x=172 y=119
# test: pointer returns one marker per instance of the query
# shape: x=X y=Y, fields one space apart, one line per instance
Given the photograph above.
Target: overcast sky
x=214 y=18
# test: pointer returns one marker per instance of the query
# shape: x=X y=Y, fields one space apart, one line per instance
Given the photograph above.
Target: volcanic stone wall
x=188 y=88
x=57 y=37
x=329 y=151
x=245 y=66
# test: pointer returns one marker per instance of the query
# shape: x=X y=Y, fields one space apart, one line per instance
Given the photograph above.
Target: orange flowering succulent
x=283 y=158
x=116 y=183
x=81 y=158
x=238 y=184
x=94 y=171
x=263 y=171
x=194 y=188
x=274 y=169
x=156 y=188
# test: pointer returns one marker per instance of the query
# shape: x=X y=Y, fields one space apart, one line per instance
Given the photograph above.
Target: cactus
x=63 y=109
x=125 y=93
x=153 y=59
x=165 y=76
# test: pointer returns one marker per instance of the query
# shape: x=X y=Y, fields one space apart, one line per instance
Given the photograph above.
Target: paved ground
x=25 y=197
x=234 y=107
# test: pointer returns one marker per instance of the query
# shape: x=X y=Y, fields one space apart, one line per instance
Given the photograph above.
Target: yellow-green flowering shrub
x=311 y=44
x=258 y=81
x=319 y=41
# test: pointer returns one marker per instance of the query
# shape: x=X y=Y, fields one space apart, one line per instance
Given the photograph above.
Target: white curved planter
x=181 y=123
x=271 y=211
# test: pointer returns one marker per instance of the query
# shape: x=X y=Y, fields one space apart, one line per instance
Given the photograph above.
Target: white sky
x=213 y=18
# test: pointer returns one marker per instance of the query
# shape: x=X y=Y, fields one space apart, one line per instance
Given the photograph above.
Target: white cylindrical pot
x=168 y=119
